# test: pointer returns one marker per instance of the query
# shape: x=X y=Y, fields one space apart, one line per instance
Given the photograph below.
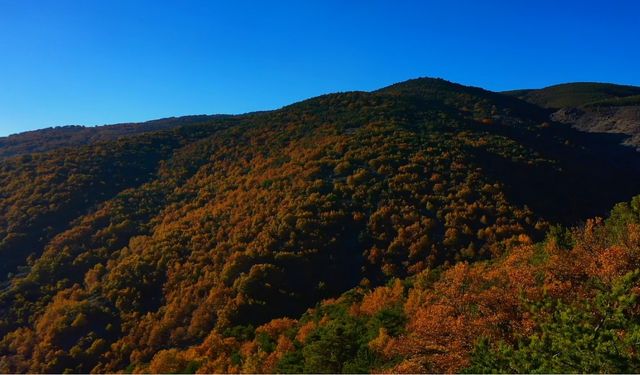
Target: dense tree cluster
x=542 y=307
x=347 y=233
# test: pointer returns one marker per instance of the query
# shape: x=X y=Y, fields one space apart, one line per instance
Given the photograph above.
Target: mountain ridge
x=560 y=95
x=573 y=94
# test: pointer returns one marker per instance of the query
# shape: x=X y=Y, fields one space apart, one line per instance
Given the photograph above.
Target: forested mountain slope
x=73 y=136
x=170 y=247
x=576 y=94
x=591 y=107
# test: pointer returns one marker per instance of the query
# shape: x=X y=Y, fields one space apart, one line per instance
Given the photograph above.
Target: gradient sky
x=97 y=62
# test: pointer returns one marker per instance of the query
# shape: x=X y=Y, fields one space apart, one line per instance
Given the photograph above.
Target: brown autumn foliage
x=218 y=247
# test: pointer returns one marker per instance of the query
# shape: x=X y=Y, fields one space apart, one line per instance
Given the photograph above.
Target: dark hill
x=74 y=135
x=120 y=250
x=575 y=94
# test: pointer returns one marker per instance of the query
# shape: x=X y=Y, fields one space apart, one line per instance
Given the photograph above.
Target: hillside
x=575 y=94
x=73 y=136
x=591 y=107
x=204 y=246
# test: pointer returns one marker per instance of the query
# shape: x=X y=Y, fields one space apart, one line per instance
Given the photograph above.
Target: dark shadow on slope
x=289 y=283
x=594 y=173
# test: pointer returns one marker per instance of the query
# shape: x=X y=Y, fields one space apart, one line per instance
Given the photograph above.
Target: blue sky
x=97 y=62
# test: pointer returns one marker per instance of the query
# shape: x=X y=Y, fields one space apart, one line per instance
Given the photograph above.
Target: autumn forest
x=423 y=227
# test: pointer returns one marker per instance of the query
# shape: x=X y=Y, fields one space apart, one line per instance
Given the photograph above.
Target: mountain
x=592 y=107
x=317 y=237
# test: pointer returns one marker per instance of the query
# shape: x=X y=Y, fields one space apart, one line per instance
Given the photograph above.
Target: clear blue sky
x=96 y=62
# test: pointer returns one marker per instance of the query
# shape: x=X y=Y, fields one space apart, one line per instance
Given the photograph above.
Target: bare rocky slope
x=591 y=107
x=606 y=119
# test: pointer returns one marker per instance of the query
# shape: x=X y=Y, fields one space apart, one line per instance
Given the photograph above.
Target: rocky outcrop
x=604 y=119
